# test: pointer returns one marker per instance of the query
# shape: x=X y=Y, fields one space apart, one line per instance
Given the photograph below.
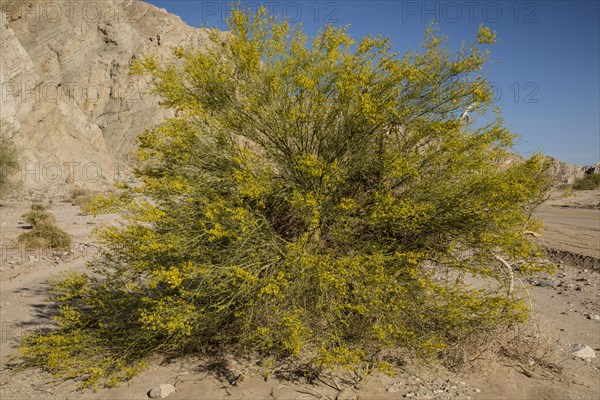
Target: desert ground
x=564 y=310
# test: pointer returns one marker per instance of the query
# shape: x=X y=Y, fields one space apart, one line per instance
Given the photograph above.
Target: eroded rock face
x=66 y=88
x=567 y=174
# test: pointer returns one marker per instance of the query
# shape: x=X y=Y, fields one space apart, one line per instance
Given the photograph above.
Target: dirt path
x=572 y=229
x=572 y=217
x=24 y=273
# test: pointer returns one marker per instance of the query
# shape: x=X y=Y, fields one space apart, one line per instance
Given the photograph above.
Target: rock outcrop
x=66 y=87
x=567 y=173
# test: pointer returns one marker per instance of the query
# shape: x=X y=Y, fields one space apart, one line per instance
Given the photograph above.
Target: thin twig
x=511 y=286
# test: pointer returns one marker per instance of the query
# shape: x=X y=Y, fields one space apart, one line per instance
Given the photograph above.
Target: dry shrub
x=45 y=233
x=529 y=342
x=81 y=196
x=587 y=182
x=526 y=345
x=39 y=216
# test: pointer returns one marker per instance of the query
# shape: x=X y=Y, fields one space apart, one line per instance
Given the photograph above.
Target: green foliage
x=44 y=234
x=587 y=182
x=9 y=156
x=313 y=200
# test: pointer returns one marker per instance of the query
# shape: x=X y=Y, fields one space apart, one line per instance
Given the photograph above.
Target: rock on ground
x=161 y=391
x=581 y=350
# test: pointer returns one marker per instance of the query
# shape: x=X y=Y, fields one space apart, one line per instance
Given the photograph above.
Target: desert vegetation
x=81 y=196
x=44 y=233
x=587 y=182
x=315 y=201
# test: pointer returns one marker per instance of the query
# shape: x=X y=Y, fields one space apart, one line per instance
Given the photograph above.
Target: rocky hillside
x=567 y=173
x=66 y=88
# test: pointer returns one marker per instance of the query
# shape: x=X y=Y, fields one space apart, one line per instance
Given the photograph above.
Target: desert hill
x=66 y=88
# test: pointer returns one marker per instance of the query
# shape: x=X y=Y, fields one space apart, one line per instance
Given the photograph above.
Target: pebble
x=161 y=391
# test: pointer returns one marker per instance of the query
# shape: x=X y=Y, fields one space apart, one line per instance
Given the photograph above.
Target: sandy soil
x=561 y=304
x=572 y=227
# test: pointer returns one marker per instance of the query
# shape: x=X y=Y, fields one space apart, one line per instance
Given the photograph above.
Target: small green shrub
x=44 y=234
x=587 y=182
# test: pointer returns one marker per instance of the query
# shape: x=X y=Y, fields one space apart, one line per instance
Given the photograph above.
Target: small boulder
x=161 y=391
x=546 y=283
x=581 y=350
x=594 y=317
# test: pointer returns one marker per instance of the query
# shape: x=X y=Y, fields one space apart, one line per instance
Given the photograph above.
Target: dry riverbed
x=565 y=307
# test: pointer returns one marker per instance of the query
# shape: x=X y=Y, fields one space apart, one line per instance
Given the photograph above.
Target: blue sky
x=546 y=67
